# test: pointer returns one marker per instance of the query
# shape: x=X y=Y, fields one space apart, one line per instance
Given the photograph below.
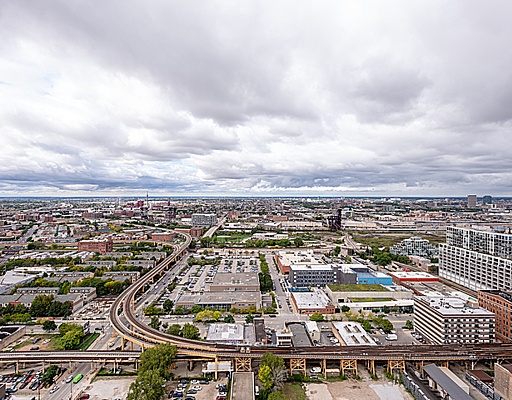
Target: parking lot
x=207 y=391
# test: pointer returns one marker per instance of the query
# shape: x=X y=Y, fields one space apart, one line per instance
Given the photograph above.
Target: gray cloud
x=257 y=97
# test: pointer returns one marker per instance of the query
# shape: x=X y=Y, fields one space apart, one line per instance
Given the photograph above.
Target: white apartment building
x=481 y=240
x=450 y=320
x=204 y=220
x=414 y=246
x=477 y=259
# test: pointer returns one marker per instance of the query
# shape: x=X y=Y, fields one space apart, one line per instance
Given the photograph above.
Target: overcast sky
x=337 y=98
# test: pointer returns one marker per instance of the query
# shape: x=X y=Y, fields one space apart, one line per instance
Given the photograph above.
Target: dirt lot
x=110 y=388
x=28 y=339
x=361 y=390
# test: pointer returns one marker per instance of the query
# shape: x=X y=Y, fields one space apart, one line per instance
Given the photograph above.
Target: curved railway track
x=146 y=336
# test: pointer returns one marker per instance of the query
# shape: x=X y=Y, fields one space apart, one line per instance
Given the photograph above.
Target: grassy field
x=293 y=391
x=379 y=241
x=53 y=345
x=91 y=337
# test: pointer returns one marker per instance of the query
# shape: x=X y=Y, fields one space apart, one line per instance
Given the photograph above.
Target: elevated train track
x=145 y=336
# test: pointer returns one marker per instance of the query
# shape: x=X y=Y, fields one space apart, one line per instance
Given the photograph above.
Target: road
x=209 y=233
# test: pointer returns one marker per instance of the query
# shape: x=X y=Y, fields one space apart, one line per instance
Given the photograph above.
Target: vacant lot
x=360 y=390
x=27 y=343
x=109 y=388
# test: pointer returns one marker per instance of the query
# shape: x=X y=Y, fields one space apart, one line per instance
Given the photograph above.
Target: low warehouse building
x=312 y=302
x=351 y=334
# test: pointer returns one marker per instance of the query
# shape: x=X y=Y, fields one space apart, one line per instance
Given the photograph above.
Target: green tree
x=67 y=327
x=71 y=340
x=147 y=386
x=49 y=325
x=167 y=305
x=195 y=309
x=50 y=373
x=265 y=377
x=217 y=315
x=249 y=319
x=366 y=325
x=174 y=329
x=155 y=322
x=337 y=251
x=158 y=359
x=271 y=360
x=298 y=242
x=189 y=331
x=317 y=317
x=386 y=324
x=409 y=324
x=344 y=309
x=229 y=319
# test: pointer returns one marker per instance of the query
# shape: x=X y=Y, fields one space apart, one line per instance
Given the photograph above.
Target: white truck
x=391 y=337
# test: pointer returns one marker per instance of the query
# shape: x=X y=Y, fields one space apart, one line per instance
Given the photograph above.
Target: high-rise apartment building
x=471 y=200
x=449 y=320
x=487 y=199
x=476 y=258
x=204 y=220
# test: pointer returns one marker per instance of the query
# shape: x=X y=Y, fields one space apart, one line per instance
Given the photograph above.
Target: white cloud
x=255 y=97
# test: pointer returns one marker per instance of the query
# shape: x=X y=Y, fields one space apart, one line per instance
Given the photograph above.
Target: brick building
x=500 y=304
x=163 y=236
x=101 y=246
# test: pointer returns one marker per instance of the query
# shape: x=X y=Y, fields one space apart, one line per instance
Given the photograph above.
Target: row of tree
x=154 y=371
x=366 y=320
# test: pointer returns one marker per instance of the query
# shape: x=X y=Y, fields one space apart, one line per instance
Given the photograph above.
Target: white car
x=197 y=388
x=54 y=389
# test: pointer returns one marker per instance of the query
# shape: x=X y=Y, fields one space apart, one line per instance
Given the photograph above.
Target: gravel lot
x=110 y=388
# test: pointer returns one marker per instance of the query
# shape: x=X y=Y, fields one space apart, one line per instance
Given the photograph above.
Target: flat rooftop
x=437 y=289
x=300 y=336
x=353 y=334
x=311 y=267
x=242 y=386
x=455 y=306
x=225 y=332
x=220 y=297
x=305 y=300
x=244 y=278
x=414 y=276
x=357 y=288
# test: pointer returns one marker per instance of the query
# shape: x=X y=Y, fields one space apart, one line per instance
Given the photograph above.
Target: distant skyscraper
x=487 y=199
x=471 y=200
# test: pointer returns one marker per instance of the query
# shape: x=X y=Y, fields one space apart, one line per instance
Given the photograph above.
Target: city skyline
x=260 y=99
